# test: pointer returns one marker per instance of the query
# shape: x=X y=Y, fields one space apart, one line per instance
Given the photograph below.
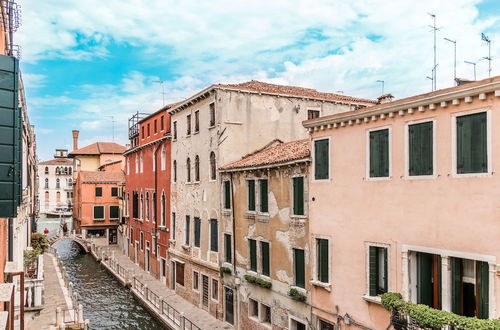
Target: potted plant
x=30 y=261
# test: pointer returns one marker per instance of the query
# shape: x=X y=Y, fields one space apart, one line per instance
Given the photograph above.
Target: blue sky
x=86 y=62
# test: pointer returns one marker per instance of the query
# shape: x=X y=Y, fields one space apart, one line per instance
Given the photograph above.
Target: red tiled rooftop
x=273 y=155
x=101 y=177
x=57 y=161
x=99 y=148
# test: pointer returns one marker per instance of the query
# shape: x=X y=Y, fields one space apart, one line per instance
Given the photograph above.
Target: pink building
x=404 y=198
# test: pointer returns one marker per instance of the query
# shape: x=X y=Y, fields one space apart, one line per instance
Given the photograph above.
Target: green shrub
x=39 y=242
x=296 y=295
x=225 y=270
x=258 y=281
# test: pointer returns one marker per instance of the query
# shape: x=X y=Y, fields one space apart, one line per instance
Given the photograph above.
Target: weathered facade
x=265 y=216
x=220 y=125
x=403 y=196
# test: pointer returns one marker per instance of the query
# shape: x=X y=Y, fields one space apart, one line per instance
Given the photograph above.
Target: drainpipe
x=11 y=240
x=237 y=286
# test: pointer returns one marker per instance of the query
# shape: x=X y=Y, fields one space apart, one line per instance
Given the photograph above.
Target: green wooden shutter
x=322 y=260
x=298 y=195
x=420 y=139
x=424 y=280
x=214 y=242
x=197 y=231
x=188 y=223
x=386 y=274
x=379 y=153
x=264 y=246
x=321 y=161
x=251 y=195
x=227 y=247
x=263 y=196
x=300 y=268
x=373 y=271
x=482 y=273
x=227 y=194
x=253 y=254
x=472 y=154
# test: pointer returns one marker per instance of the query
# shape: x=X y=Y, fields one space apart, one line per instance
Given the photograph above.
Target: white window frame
x=367 y=296
x=407 y=149
x=110 y=218
x=212 y=279
x=163 y=159
x=367 y=154
x=192 y=282
x=255 y=318
x=141 y=163
x=313 y=154
x=314 y=249
x=103 y=212
x=292 y=318
x=454 y=143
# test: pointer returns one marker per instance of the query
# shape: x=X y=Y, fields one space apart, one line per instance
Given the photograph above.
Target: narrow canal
x=106 y=303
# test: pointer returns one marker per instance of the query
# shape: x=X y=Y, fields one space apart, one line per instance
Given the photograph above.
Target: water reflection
x=106 y=303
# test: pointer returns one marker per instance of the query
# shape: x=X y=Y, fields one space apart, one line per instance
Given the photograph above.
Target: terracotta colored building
x=403 y=198
x=147 y=196
x=265 y=195
x=97 y=196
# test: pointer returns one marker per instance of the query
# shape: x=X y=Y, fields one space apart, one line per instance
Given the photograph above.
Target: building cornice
x=269 y=166
x=144 y=146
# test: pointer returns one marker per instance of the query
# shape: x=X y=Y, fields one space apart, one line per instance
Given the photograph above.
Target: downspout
x=237 y=286
x=155 y=153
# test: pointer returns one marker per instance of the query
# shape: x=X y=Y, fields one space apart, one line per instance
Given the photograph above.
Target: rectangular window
x=322 y=259
x=162 y=123
x=188 y=122
x=179 y=273
x=297 y=325
x=377 y=270
x=263 y=196
x=251 y=195
x=188 y=223
x=149 y=130
x=229 y=305
x=253 y=254
x=173 y=226
x=98 y=212
x=321 y=159
x=155 y=126
x=212 y=114
x=196 y=278
x=214 y=235
x=298 y=195
x=227 y=248
x=300 y=268
x=266 y=314
x=215 y=289
x=114 y=192
x=472 y=149
x=141 y=240
x=253 y=308
x=196 y=121
x=323 y=325
x=420 y=149
x=264 y=252
x=312 y=114
x=114 y=212
x=98 y=191
x=197 y=231
x=175 y=130
x=227 y=195
x=379 y=153
x=142 y=132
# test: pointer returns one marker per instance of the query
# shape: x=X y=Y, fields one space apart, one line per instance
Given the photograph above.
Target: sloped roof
x=99 y=148
x=101 y=177
x=57 y=161
x=273 y=155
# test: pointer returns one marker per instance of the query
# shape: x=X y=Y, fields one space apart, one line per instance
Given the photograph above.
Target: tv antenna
x=162 y=83
x=484 y=37
x=474 y=64
x=434 y=29
x=382 y=82
x=454 y=42
x=112 y=127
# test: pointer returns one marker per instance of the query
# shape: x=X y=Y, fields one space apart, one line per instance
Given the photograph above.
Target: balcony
x=133 y=124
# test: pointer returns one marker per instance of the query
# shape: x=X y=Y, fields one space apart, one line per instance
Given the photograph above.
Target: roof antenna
x=162 y=83
x=473 y=63
x=434 y=29
x=454 y=42
x=382 y=82
x=112 y=127
x=484 y=37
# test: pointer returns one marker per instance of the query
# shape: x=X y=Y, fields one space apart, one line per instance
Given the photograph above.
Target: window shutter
x=421 y=149
x=472 y=155
x=263 y=196
x=227 y=195
x=482 y=271
x=227 y=243
x=379 y=153
x=188 y=222
x=197 y=231
x=321 y=161
x=300 y=277
x=251 y=195
x=373 y=271
x=323 y=260
x=424 y=283
x=214 y=244
x=298 y=196
x=265 y=258
x=374 y=165
x=253 y=254
x=386 y=284
x=456 y=284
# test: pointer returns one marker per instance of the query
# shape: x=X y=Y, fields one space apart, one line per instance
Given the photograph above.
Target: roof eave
x=261 y=167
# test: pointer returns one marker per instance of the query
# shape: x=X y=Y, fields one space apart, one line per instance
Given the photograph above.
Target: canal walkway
x=174 y=311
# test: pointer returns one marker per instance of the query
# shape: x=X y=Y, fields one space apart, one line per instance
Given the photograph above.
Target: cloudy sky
x=87 y=64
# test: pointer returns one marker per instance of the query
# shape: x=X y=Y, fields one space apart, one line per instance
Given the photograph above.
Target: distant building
x=55 y=185
x=99 y=180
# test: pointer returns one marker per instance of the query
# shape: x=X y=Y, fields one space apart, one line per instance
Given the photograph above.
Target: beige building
x=266 y=279
x=220 y=125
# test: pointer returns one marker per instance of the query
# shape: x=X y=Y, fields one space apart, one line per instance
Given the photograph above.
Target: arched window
x=46 y=170
x=197 y=168
x=213 y=169
x=70 y=183
x=175 y=171
x=163 y=159
x=153 y=207
x=46 y=195
x=65 y=170
x=58 y=184
x=188 y=169
x=163 y=213
x=58 y=170
x=128 y=166
x=58 y=195
x=141 y=207
x=136 y=164
x=70 y=170
x=46 y=183
x=141 y=164
x=147 y=206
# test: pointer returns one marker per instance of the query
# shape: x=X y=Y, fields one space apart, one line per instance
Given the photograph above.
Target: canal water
x=106 y=303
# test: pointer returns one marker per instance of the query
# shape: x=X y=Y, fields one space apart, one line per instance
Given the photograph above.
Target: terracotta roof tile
x=101 y=177
x=99 y=148
x=57 y=161
x=273 y=155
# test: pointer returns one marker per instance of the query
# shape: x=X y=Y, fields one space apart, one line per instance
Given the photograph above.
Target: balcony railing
x=34 y=288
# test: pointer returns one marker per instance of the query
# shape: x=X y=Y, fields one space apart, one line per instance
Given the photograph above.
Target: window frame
x=197 y=282
x=226 y=235
x=367 y=153
x=103 y=212
x=318 y=110
x=212 y=114
x=210 y=246
x=407 y=149
x=196 y=122
x=95 y=191
x=304 y=195
x=174 y=129
x=188 y=125
x=259 y=196
x=313 y=154
x=292 y=318
x=118 y=217
x=226 y=192
x=367 y=268
x=187 y=230
x=212 y=292
x=315 y=276
x=255 y=180
x=295 y=268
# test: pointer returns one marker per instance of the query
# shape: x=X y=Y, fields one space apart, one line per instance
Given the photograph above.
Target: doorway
x=148 y=255
x=136 y=255
x=163 y=270
x=229 y=303
x=172 y=275
x=204 y=298
x=113 y=236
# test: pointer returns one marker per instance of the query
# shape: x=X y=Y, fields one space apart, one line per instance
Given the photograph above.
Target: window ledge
x=375 y=300
x=196 y=132
x=382 y=178
x=298 y=217
x=471 y=175
x=162 y=228
x=210 y=127
x=326 y=286
x=298 y=288
x=186 y=247
x=226 y=212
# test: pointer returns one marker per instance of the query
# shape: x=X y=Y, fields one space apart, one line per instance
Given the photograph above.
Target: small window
x=322 y=260
x=175 y=171
x=98 y=212
x=163 y=159
x=214 y=235
x=297 y=325
x=264 y=255
x=197 y=231
x=253 y=254
x=323 y=325
x=253 y=308
x=264 y=207
x=46 y=170
x=321 y=159
x=197 y=169
x=379 y=153
x=188 y=127
x=179 y=273
x=98 y=191
x=378 y=270
x=58 y=183
x=187 y=233
x=420 y=149
x=188 y=170
x=142 y=132
x=162 y=123
x=298 y=195
x=227 y=195
x=196 y=121
x=472 y=146
x=141 y=240
x=175 y=130
x=114 y=212
x=215 y=289
x=227 y=248
x=213 y=168
x=300 y=268
x=266 y=314
x=196 y=279
x=173 y=226
x=312 y=114
x=212 y=114
x=251 y=195
x=155 y=126
x=114 y=192
x=149 y=130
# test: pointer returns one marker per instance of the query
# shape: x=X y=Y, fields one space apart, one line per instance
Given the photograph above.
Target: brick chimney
x=385 y=98
x=75 y=139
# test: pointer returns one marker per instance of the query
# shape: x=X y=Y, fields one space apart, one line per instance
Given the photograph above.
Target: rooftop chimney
x=385 y=98
x=462 y=81
x=75 y=139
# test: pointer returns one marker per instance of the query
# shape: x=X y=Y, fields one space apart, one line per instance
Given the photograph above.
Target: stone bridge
x=78 y=239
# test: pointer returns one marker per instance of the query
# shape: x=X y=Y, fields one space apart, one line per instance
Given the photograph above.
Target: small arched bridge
x=53 y=240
